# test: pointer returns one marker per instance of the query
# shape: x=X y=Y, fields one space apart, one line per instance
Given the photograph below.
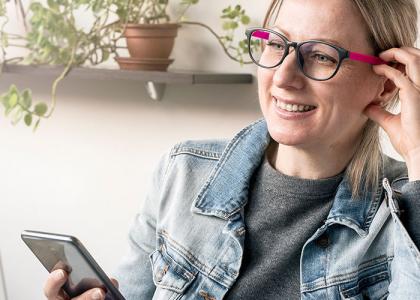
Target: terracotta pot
x=150 y=41
x=130 y=63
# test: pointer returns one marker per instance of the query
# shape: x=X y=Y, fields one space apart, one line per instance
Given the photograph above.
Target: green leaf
x=245 y=20
x=13 y=100
x=105 y=55
x=53 y=5
x=26 y=99
x=28 y=119
x=226 y=25
x=18 y=114
x=97 y=6
x=5 y=100
x=40 y=109
x=4 y=40
x=8 y=111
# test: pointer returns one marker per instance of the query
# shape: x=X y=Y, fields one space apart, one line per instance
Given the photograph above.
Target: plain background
x=87 y=169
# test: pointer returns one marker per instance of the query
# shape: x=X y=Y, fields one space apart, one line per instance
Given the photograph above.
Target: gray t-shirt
x=282 y=213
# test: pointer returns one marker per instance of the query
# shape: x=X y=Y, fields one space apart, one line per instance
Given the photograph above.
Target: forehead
x=337 y=20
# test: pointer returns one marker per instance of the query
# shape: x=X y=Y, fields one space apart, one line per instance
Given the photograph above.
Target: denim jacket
x=187 y=241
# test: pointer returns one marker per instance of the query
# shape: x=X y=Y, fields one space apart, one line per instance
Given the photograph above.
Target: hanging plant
x=55 y=38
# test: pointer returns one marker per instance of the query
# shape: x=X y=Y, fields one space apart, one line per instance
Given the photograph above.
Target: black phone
x=58 y=251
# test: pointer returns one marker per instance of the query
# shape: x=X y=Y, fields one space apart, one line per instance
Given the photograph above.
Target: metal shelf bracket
x=155 y=90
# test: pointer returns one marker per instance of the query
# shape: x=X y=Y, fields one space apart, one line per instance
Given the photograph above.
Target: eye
x=276 y=45
x=323 y=58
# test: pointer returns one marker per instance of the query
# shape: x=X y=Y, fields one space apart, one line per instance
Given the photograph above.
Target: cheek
x=352 y=91
x=265 y=79
x=360 y=86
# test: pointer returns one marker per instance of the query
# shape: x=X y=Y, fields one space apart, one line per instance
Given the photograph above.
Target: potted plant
x=150 y=33
x=54 y=37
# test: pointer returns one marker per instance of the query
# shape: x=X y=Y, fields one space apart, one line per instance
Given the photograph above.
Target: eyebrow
x=285 y=33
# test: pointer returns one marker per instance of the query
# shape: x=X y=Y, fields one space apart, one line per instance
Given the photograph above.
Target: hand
x=53 y=288
x=403 y=129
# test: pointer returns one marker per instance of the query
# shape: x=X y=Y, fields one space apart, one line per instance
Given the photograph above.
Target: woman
x=301 y=204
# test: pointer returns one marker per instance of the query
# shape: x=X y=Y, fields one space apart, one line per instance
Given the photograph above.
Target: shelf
x=155 y=81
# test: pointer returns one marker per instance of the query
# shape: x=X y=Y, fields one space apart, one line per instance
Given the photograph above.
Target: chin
x=287 y=137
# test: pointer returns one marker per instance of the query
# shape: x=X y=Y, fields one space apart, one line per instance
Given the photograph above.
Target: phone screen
x=57 y=254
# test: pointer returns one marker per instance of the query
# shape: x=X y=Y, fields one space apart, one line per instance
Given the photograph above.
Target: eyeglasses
x=318 y=60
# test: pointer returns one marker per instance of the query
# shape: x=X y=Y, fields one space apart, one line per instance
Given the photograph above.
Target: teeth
x=294 y=107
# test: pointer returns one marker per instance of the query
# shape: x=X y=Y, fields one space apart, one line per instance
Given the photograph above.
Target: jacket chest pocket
x=373 y=287
x=170 y=278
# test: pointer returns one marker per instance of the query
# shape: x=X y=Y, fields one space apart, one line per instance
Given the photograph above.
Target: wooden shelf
x=155 y=81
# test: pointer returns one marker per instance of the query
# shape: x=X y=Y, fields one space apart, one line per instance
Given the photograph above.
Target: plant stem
x=217 y=37
x=58 y=79
x=13 y=59
x=19 y=5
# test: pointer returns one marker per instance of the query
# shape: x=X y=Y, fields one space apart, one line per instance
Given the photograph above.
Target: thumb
x=115 y=282
x=379 y=115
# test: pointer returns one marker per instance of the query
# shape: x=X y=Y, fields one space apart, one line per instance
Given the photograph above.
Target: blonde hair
x=391 y=23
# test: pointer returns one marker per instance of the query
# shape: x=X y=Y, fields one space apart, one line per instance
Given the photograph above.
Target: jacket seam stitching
x=195 y=154
x=342 y=278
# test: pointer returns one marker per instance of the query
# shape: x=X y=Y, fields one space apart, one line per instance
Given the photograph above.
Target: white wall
x=85 y=171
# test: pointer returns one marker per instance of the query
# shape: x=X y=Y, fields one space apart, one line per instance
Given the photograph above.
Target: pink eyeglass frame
x=373 y=60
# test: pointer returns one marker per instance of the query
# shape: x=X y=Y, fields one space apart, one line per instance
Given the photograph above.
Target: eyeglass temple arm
x=373 y=60
x=261 y=34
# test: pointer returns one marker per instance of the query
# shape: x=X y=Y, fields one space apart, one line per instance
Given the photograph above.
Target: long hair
x=391 y=23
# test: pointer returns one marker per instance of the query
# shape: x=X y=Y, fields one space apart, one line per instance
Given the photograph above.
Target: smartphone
x=58 y=251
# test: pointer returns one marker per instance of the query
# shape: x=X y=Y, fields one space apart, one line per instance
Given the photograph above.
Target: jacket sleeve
x=134 y=272
x=409 y=202
x=405 y=265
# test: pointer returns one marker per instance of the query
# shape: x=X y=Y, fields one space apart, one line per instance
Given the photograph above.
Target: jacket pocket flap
x=168 y=274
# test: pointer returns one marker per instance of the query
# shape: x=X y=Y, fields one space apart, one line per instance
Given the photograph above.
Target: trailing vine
x=55 y=38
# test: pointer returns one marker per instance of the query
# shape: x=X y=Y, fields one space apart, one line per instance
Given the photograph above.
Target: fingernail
x=59 y=274
x=97 y=295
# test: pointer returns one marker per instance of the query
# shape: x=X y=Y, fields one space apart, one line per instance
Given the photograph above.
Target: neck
x=310 y=163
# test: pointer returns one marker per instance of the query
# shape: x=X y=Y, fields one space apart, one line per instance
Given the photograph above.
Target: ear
x=388 y=87
x=388 y=91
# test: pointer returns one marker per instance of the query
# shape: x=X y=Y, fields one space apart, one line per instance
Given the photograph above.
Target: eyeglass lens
x=317 y=60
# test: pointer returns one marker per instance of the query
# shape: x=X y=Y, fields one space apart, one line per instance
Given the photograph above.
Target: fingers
x=115 y=282
x=399 y=79
x=404 y=55
x=408 y=56
x=384 y=118
x=93 y=294
x=55 y=281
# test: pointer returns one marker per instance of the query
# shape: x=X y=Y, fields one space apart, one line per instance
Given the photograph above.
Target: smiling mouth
x=293 y=107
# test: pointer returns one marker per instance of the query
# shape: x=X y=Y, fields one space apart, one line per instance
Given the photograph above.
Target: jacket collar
x=355 y=212
x=226 y=190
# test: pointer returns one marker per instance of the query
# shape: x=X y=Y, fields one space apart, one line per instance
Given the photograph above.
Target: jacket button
x=323 y=241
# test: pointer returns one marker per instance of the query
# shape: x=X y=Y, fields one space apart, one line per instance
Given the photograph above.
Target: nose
x=288 y=75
